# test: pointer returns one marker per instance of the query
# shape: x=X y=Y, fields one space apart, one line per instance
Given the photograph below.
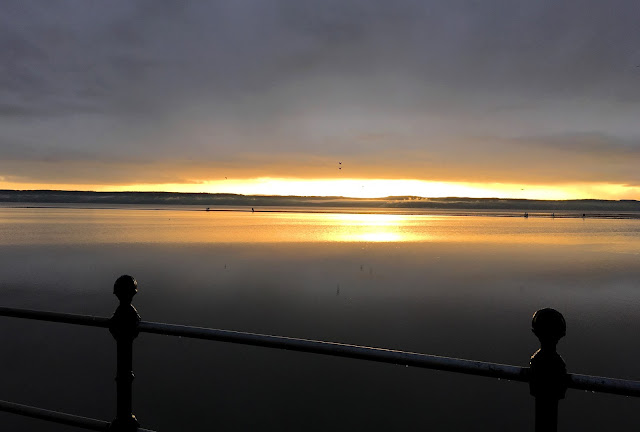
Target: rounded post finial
x=549 y=326
x=125 y=288
x=548 y=372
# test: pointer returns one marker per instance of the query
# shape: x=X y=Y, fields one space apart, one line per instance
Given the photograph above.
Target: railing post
x=124 y=328
x=548 y=380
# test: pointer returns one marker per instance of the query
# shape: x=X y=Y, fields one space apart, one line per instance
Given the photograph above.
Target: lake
x=453 y=285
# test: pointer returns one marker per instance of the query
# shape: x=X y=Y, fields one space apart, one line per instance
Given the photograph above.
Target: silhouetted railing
x=547 y=376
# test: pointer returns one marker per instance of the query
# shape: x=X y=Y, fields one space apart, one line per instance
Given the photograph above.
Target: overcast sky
x=128 y=92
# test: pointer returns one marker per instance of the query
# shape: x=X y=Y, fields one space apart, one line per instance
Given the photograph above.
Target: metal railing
x=547 y=376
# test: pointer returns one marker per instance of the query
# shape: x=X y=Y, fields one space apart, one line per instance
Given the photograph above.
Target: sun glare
x=365 y=188
x=380 y=188
x=369 y=228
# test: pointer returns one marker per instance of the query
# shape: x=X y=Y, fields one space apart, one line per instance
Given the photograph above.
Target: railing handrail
x=86 y=320
x=382 y=355
x=58 y=417
x=428 y=361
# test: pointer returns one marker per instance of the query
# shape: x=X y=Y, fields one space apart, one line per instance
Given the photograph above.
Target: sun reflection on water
x=125 y=226
x=370 y=228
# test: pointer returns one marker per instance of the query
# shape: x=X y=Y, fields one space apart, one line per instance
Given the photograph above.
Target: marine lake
x=453 y=285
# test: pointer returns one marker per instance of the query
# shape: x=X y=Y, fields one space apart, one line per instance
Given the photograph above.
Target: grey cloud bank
x=462 y=90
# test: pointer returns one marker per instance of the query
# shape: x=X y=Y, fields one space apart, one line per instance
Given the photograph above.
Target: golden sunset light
x=363 y=188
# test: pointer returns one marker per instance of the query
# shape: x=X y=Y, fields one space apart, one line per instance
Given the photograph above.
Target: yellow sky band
x=365 y=188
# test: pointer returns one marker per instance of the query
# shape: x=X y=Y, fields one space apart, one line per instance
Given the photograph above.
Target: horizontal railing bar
x=58 y=417
x=471 y=367
x=604 y=385
x=86 y=320
x=54 y=416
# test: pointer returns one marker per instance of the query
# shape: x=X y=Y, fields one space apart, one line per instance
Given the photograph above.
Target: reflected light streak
x=377 y=237
x=371 y=228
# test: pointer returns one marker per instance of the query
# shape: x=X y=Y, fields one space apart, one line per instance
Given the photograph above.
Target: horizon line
x=390 y=197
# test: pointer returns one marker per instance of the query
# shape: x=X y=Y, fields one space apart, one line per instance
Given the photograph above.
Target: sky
x=523 y=99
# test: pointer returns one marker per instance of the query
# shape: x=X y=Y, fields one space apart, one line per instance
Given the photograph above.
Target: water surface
x=462 y=286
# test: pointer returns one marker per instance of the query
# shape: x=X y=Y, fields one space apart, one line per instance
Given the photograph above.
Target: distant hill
x=207 y=200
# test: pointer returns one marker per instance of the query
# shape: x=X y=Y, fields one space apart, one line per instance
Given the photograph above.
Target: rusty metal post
x=124 y=328
x=548 y=379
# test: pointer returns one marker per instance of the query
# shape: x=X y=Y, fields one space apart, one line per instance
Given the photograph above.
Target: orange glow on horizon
x=363 y=188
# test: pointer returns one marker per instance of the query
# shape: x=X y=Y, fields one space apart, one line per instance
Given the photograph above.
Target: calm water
x=448 y=285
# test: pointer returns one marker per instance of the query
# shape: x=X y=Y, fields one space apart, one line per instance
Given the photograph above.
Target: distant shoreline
x=345 y=210
x=623 y=209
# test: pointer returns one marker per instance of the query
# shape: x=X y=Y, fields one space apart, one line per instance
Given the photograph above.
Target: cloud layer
x=168 y=92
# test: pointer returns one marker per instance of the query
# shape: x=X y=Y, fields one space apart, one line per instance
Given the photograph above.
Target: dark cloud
x=369 y=80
